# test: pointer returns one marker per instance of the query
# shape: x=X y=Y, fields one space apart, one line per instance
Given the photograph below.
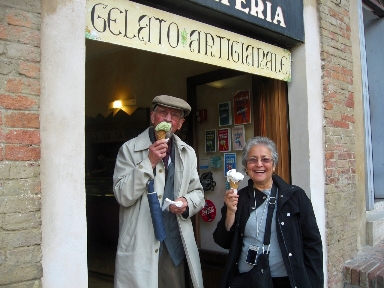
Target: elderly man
x=142 y=260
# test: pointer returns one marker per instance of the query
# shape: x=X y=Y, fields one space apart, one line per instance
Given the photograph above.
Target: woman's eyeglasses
x=163 y=113
x=263 y=160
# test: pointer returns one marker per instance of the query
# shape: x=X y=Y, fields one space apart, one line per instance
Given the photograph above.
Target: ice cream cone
x=162 y=129
x=234 y=178
x=161 y=134
x=234 y=185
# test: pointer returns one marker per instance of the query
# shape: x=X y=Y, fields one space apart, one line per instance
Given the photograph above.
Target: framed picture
x=225 y=114
x=238 y=137
x=210 y=141
x=242 y=107
x=224 y=139
x=229 y=162
x=215 y=161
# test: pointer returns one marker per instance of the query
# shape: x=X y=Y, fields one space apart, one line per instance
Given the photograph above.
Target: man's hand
x=178 y=210
x=157 y=151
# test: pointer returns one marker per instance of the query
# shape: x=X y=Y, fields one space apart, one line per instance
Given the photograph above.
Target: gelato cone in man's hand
x=162 y=129
x=234 y=178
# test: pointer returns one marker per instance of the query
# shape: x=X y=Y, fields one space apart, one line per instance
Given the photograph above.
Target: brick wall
x=20 y=193
x=338 y=103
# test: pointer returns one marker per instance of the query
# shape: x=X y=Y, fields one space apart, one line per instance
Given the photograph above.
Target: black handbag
x=260 y=275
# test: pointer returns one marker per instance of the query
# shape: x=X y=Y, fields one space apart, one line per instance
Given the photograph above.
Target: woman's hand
x=231 y=199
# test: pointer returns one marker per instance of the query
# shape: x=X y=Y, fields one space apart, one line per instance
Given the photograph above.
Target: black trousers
x=281 y=282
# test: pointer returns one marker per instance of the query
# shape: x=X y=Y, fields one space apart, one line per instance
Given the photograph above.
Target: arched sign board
x=138 y=26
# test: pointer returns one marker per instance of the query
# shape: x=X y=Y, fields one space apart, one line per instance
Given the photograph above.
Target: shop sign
x=282 y=16
x=134 y=25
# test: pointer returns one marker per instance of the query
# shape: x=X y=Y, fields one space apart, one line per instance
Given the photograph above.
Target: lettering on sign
x=138 y=26
x=258 y=8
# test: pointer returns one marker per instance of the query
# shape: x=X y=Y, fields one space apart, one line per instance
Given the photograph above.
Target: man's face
x=167 y=114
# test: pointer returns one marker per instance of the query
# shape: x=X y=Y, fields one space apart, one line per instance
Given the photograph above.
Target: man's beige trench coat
x=138 y=250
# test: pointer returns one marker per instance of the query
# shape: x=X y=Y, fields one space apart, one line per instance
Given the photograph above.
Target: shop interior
x=134 y=77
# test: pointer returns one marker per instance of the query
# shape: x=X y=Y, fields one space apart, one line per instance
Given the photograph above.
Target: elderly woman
x=295 y=251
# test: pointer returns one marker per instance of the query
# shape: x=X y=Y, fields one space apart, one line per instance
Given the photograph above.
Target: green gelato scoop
x=163 y=126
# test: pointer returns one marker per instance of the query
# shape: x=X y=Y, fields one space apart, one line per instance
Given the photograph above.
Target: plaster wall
x=306 y=119
x=64 y=233
x=359 y=125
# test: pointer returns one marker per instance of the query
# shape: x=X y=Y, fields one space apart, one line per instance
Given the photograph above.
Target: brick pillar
x=20 y=191
x=340 y=166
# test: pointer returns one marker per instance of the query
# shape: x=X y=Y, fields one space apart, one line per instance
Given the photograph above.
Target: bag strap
x=271 y=208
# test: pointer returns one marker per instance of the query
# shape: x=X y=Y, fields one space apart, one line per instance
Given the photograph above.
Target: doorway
x=114 y=72
x=208 y=93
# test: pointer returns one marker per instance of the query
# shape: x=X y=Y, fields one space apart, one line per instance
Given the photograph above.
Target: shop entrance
x=220 y=97
x=119 y=73
x=113 y=73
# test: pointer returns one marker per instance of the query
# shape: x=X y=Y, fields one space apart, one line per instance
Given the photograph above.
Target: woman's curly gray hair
x=259 y=140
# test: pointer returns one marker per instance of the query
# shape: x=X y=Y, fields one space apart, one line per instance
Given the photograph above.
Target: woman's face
x=260 y=166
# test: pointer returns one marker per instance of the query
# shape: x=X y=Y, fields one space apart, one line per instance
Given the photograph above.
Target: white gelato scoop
x=233 y=178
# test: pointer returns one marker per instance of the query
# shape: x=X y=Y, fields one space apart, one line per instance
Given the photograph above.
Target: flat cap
x=172 y=102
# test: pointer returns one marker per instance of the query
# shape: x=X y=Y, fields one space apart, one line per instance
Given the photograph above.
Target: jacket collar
x=285 y=190
x=284 y=187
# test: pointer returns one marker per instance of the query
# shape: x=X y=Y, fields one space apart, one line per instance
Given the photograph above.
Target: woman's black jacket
x=297 y=233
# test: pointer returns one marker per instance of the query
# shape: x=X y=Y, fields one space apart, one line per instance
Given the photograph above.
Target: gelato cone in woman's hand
x=162 y=129
x=234 y=178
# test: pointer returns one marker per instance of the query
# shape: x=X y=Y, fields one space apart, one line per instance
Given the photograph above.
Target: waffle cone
x=234 y=185
x=161 y=134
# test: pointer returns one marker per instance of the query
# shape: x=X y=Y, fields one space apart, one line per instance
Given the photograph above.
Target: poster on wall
x=215 y=161
x=201 y=115
x=225 y=114
x=242 y=107
x=203 y=163
x=238 y=137
x=229 y=162
x=224 y=139
x=210 y=141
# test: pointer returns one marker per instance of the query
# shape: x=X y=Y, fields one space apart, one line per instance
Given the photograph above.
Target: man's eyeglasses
x=263 y=160
x=163 y=113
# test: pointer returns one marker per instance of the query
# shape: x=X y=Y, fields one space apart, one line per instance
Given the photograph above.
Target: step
x=366 y=270
x=379 y=204
x=375 y=224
